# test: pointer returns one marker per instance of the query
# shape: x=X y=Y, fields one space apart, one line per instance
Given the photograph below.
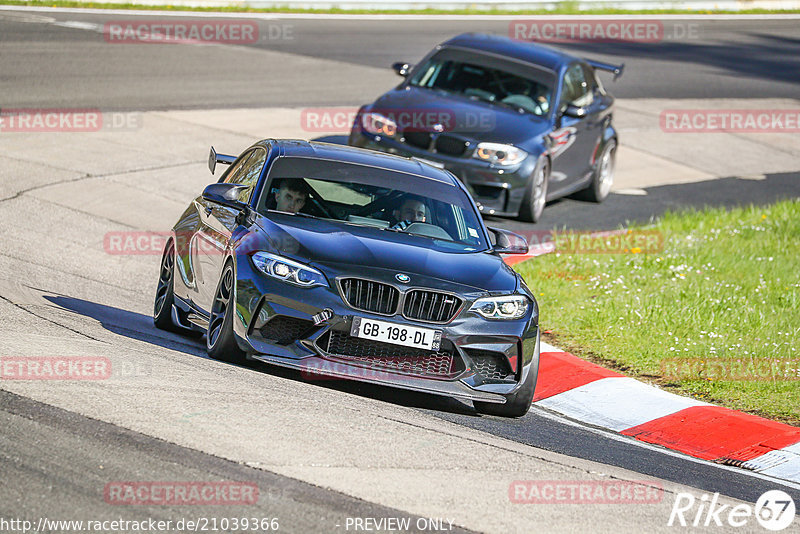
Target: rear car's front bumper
x=496 y=190
x=308 y=329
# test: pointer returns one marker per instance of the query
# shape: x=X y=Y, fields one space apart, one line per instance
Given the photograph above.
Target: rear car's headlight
x=499 y=154
x=377 y=124
x=288 y=270
x=505 y=307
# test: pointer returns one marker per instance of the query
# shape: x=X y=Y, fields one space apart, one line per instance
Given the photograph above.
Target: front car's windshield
x=364 y=196
x=501 y=82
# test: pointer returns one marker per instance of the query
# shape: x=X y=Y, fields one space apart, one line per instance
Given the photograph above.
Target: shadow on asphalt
x=140 y=327
x=622 y=210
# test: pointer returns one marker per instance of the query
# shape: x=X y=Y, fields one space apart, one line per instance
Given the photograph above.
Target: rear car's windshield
x=482 y=77
x=366 y=196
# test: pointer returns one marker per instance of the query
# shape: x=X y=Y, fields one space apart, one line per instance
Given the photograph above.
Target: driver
x=291 y=196
x=412 y=210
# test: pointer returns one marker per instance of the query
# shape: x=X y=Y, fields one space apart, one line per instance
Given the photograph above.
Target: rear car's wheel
x=536 y=194
x=603 y=176
x=517 y=404
x=162 y=306
x=220 y=340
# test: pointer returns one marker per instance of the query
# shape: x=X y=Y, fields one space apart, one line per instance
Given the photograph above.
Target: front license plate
x=398 y=334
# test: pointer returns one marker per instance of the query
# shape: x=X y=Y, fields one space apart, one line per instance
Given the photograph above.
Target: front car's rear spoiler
x=617 y=70
x=214 y=158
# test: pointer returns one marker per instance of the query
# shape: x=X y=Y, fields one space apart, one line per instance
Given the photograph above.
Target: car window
x=233 y=172
x=351 y=194
x=249 y=174
x=489 y=79
x=576 y=90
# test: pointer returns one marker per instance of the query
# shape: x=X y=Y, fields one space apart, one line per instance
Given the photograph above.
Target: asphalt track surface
x=728 y=59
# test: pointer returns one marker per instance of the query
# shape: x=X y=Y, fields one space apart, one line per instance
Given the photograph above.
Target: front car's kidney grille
x=391 y=357
x=452 y=146
x=418 y=139
x=431 y=306
x=370 y=296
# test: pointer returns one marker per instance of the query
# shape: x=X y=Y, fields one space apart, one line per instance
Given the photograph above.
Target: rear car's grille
x=283 y=329
x=389 y=356
x=430 y=306
x=452 y=146
x=418 y=139
x=489 y=364
x=370 y=296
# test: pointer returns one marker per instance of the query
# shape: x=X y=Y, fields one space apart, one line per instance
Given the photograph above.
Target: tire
x=220 y=340
x=603 y=176
x=165 y=297
x=517 y=404
x=536 y=194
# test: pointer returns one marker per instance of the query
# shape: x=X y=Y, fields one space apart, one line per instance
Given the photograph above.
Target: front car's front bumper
x=496 y=190
x=479 y=360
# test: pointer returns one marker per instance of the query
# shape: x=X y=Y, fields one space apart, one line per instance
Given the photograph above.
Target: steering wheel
x=401 y=225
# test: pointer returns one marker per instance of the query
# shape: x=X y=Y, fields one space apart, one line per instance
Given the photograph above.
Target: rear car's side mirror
x=574 y=111
x=507 y=242
x=225 y=194
x=402 y=69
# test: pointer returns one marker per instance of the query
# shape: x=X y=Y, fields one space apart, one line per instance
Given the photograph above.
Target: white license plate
x=398 y=334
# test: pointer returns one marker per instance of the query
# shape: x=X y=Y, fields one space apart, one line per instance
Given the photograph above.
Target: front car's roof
x=528 y=52
x=347 y=154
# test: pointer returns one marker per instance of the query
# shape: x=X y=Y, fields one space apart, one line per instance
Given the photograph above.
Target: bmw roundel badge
x=402 y=278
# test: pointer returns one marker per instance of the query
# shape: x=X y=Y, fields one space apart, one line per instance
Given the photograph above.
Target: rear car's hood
x=462 y=115
x=357 y=249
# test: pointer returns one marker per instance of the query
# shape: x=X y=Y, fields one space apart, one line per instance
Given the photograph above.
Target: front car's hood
x=461 y=115
x=356 y=249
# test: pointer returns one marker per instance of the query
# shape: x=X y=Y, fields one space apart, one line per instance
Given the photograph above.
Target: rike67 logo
x=774 y=510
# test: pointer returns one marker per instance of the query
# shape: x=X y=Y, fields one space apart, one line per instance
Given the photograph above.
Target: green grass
x=567 y=7
x=724 y=293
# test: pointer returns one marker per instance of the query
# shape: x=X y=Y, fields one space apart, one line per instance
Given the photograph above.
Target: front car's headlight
x=499 y=154
x=377 y=124
x=504 y=307
x=288 y=270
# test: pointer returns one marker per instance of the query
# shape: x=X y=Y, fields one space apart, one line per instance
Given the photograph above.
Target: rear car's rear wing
x=617 y=70
x=214 y=158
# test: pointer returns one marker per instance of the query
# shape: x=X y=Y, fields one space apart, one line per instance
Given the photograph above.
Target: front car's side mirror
x=225 y=194
x=402 y=69
x=507 y=242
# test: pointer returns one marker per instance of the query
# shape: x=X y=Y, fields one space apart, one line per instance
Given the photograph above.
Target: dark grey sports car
x=519 y=123
x=350 y=263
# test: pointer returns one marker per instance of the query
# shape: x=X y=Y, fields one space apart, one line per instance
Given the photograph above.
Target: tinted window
x=234 y=170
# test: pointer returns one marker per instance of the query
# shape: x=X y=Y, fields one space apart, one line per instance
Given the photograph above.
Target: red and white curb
x=593 y=395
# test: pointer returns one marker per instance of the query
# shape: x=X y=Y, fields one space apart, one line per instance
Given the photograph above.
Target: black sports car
x=519 y=123
x=350 y=263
